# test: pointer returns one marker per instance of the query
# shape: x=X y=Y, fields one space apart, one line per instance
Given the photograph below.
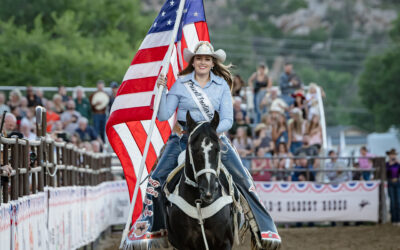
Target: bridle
x=203 y=171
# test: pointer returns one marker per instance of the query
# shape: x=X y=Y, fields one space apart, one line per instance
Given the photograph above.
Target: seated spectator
x=312 y=92
x=10 y=126
x=3 y=105
x=314 y=132
x=51 y=116
x=70 y=118
x=86 y=146
x=259 y=165
x=272 y=101
x=59 y=134
x=238 y=107
x=75 y=139
x=59 y=107
x=243 y=145
x=82 y=104
x=14 y=99
x=300 y=102
x=85 y=132
x=96 y=146
x=296 y=130
x=337 y=166
x=262 y=140
x=393 y=175
x=267 y=121
x=39 y=94
x=279 y=130
x=303 y=164
x=238 y=83
x=32 y=98
x=289 y=82
x=26 y=130
x=313 y=109
x=239 y=122
x=17 y=113
x=365 y=163
x=282 y=163
x=23 y=106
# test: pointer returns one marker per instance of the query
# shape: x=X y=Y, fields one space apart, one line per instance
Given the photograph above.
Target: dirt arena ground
x=380 y=237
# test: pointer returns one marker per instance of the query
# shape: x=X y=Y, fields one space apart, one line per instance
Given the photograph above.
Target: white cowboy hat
x=204 y=48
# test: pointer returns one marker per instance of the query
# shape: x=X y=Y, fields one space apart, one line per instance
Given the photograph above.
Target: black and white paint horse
x=200 y=193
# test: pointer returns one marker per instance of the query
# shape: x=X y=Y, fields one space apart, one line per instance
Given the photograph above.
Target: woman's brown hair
x=219 y=69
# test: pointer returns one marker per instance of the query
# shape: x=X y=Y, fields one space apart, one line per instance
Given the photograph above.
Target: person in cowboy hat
x=393 y=176
x=207 y=75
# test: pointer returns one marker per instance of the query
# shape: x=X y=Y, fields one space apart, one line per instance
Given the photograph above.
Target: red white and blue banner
x=64 y=217
x=312 y=202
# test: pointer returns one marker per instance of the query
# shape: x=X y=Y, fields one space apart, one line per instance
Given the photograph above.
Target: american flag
x=131 y=112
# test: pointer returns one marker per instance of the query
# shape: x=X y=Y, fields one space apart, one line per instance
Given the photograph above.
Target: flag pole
x=164 y=71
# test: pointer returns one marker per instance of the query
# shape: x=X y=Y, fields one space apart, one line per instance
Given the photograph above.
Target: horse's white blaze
x=206 y=150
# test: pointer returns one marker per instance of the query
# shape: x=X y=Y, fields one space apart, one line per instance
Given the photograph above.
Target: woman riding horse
x=203 y=87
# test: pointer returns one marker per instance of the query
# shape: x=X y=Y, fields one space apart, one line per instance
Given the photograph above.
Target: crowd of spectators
x=71 y=117
x=277 y=130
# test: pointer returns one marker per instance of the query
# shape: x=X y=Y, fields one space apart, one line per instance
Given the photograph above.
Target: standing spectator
x=14 y=99
x=259 y=165
x=289 y=82
x=260 y=81
x=82 y=104
x=393 y=175
x=3 y=105
x=300 y=102
x=314 y=132
x=238 y=83
x=282 y=163
x=297 y=128
x=51 y=116
x=62 y=91
x=279 y=130
x=59 y=107
x=114 y=90
x=99 y=101
x=33 y=99
x=365 y=163
x=85 y=132
x=243 y=145
x=70 y=118
x=262 y=140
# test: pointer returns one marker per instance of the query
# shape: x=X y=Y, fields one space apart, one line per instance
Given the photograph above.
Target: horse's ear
x=189 y=121
x=215 y=121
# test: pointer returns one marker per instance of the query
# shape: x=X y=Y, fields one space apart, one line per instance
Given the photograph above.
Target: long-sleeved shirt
x=285 y=86
x=217 y=90
x=393 y=170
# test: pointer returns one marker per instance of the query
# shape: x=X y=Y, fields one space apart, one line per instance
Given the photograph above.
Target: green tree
x=379 y=89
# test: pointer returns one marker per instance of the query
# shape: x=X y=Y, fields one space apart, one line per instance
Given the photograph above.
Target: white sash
x=200 y=98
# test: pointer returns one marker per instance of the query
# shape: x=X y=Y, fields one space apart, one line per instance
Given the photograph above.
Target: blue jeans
x=231 y=161
x=294 y=146
x=394 y=194
x=366 y=175
x=99 y=122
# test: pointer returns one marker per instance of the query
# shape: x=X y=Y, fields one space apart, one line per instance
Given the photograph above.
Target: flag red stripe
x=121 y=151
x=140 y=136
x=150 y=55
x=202 y=31
x=165 y=129
x=137 y=85
x=124 y=115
